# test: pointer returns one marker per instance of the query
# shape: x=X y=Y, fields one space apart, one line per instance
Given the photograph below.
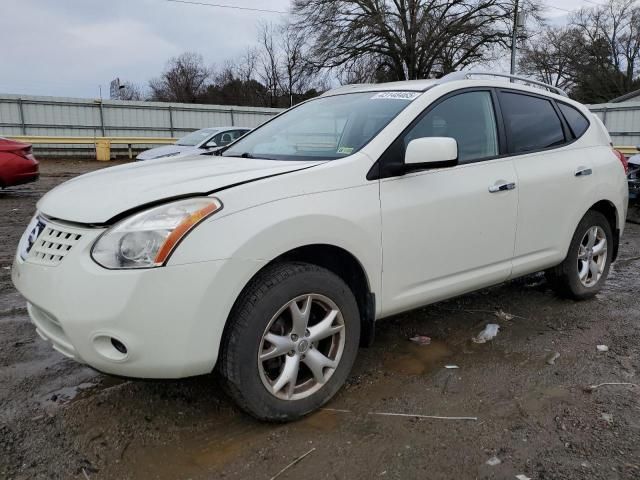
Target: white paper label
x=396 y=95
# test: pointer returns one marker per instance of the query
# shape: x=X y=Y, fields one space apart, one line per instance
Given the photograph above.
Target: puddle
x=321 y=421
x=67 y=394
x=219 y=450
x=413 y=359
x=196 y=453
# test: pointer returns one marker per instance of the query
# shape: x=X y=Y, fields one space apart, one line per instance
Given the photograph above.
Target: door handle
x=502 y=187
x=583 y=172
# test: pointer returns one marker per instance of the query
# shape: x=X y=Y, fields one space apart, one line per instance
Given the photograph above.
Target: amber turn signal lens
x=182 y=229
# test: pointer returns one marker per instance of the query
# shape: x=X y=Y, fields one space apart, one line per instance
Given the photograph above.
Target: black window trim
x=573 y=134
x=569 y=138
x=379 y=171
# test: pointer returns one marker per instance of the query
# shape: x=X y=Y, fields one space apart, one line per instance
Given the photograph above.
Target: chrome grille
x=52 y=245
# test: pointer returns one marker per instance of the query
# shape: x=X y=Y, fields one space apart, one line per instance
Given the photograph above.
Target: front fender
x=348 y=218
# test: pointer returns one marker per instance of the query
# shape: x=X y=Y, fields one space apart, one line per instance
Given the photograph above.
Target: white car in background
x=273 y=263
x=200 y=141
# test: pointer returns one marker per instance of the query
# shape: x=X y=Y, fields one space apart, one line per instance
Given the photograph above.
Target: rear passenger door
x=553 y=176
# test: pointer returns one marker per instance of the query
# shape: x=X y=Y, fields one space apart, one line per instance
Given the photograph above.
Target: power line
x=234 y=7
x=558 y=8
x=597 y=4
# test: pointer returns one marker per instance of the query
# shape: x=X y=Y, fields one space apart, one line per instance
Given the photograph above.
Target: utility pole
x=514 y=39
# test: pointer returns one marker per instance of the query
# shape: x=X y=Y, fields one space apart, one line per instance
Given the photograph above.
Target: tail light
x=26 y=152
x=623 y=160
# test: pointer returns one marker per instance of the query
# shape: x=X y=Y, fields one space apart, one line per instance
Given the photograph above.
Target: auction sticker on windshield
x=395 y=96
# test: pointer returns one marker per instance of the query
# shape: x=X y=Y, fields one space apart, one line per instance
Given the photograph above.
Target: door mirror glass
x=431 y=152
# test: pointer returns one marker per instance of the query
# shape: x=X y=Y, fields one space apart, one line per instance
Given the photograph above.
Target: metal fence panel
x=622 y=120
x=35 y=115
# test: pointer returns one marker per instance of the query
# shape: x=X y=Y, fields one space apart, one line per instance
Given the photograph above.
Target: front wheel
x=584 y=271
x=291 y=341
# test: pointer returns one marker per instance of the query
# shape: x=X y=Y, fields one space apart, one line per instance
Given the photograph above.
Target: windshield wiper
x=245 y=155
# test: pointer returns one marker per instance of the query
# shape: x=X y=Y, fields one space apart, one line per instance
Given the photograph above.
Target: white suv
x=273 y=261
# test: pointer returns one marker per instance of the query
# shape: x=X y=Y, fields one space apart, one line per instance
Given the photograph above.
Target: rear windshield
x=326 y=128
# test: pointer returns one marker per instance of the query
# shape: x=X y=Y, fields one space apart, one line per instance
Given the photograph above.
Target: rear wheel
x=584 y=271
x=291 y=341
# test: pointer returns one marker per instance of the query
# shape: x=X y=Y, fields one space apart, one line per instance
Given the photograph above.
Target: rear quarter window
x=575 y=119
x=531 y=122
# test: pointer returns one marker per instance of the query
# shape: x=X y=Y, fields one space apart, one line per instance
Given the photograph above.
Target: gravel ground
x=59 y=419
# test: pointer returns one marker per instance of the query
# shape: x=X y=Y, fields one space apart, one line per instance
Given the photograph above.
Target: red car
x=17 y=163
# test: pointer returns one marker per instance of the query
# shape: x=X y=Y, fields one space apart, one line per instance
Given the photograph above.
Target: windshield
x=197 y=137
x=326 y=128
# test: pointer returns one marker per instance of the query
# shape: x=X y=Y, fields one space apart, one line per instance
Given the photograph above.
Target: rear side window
x=576 y=120
x=531 y=123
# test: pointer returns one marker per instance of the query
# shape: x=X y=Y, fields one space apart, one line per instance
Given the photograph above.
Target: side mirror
x=431 y=152
x=211 y=144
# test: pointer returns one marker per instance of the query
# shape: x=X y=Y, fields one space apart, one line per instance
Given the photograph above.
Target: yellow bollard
x=103 y=149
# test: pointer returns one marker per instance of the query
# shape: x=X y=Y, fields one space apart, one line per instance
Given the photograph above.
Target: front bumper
x=170 y=319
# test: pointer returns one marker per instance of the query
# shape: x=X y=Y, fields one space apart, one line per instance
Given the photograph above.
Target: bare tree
x=296 y=70
x=275 y=73
x=596 y=57
x=408 y=39
x=268 y=63
x=246 y=65
x=616 y=24
x=184 y=79
x=553 y=56
x=129 y=91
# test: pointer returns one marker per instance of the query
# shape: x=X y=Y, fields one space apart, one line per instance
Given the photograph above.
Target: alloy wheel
x=301 y=347
x=592 y=256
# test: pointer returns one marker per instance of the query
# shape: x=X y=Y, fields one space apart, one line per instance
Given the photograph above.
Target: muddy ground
x=59 y=419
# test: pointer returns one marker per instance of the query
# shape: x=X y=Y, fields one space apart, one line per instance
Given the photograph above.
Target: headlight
x=146 y=239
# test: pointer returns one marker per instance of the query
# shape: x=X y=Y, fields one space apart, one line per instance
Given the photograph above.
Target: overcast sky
x=70 y=47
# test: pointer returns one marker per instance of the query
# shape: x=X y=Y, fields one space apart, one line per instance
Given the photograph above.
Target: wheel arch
x=610 y=212
x=340 y=262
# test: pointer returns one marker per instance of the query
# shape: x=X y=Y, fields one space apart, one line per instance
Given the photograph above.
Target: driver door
x=447 y=231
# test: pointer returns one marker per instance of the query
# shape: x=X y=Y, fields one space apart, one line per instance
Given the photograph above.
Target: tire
x=565 y=279
x=266 y=309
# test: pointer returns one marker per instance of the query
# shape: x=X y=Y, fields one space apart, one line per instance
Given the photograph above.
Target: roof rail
x=465 y=76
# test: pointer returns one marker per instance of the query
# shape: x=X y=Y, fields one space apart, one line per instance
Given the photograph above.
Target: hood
x=165 y=150
x=99 y=196
x=635 y=160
